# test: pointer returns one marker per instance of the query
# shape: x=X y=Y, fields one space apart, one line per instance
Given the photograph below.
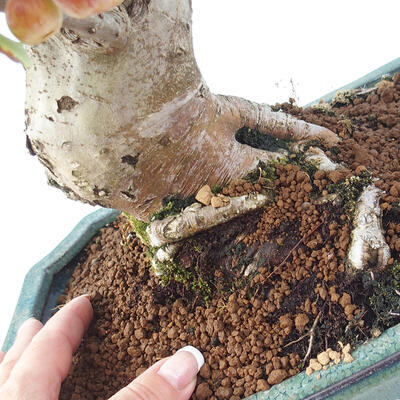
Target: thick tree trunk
x=120 y=115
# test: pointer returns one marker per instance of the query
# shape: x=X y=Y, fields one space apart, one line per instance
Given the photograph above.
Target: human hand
x=40 y=358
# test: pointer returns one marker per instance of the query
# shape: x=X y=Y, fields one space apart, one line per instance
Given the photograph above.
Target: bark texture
x=196 y=218
x=120 y=115
x=368 y=245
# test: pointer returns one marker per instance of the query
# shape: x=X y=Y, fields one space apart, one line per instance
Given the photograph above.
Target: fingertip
x=196 y=354
x=30 y=324
x=83 y=306
x=82 y=297
x=180 y=369
x=73 y=318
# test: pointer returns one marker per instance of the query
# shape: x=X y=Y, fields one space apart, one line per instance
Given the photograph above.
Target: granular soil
x=251 y=330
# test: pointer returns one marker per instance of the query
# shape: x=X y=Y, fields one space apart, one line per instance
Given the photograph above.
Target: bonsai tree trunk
x=120 y=115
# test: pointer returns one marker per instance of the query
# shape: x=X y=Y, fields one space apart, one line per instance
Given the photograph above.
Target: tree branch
x=110 y=29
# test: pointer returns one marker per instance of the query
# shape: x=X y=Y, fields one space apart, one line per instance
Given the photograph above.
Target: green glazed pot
x=373 y=375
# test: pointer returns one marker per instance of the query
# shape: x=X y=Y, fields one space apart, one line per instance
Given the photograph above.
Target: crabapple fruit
x=33 y=21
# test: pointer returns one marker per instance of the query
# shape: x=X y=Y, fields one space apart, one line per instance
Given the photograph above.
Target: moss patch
x=385 y=300
x=139 y=227
x=173 y=273
x=350 y=190
x=264 y=171
x=311 y=167
x=263 y=141
x=172 y=205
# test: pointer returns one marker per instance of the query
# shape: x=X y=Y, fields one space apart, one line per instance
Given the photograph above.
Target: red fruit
x=33 y=21
x=86 y=8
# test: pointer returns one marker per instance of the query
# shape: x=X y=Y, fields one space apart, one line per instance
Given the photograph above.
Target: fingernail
x=182 y=367
x=83 y=295
x=196 y=354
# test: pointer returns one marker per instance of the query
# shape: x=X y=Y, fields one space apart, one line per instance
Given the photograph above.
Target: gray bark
x=368 y=245
x=125 y=119
x=109 y=30
x=196 y=218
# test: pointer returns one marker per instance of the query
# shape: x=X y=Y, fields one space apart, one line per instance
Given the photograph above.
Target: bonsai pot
x=374 y=373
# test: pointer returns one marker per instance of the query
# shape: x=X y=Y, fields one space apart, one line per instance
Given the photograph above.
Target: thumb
x=172 y=378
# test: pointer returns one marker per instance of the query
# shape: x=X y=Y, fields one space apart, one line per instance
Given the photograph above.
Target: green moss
x=350 y=190
x=343 y=97
x=299 y=159
x=172 y=205
x=314 y=143
x=216 y=189
x=384 y=301
x=198 y=248
x=323 y=108
x=139 y=227
x=263 y=141
x=347 y=126
x=396 y=274
x=200 y=285
x=334 y=150
x=265 y=171
x=172 y=271
x=387 y=78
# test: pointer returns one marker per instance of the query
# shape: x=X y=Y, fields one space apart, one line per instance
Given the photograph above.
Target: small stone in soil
x=204 y=195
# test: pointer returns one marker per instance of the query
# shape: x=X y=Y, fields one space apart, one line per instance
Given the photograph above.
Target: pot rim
x=38 y=280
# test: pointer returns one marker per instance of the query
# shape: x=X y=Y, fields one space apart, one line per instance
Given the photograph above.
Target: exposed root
x=311 y=333
x=281 y=125
x=393 y=314
x=196 y=218
x=316 y=155
x=297 y=340
x=164 y=254
x=368 y=245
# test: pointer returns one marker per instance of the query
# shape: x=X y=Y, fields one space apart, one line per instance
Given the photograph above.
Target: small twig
x=195 y=301
x=363 y=91
x=257 y=290
x=309 y=333
x=394 y=314
x=59 y=307
x=372 y=275
x=359 y=328
x=297 y=340
x=312 y=334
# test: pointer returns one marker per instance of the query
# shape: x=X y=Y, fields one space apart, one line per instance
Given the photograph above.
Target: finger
x=2 y=354
x=46 y=361
x=25 y=334
x=173 y=378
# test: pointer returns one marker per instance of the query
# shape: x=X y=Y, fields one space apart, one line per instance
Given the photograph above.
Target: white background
x=262 y=50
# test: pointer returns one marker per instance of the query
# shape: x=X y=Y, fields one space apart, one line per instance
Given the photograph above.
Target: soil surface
x=254 y=331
